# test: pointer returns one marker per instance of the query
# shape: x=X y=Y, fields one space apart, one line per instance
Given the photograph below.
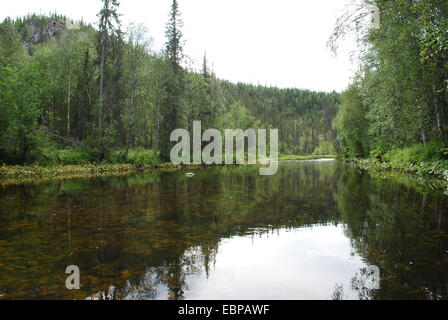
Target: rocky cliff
x=41 y=30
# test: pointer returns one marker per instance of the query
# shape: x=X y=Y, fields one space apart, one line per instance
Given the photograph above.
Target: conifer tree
x=172 y=107
x=108 y=25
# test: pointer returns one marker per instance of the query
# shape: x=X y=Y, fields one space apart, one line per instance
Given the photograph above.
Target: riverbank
x=436 y=169
x=36 y=173
x=67 y=170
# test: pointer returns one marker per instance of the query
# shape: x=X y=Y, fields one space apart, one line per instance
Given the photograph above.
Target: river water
x=312 y=231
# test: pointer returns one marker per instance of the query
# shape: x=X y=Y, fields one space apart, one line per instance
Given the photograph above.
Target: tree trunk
x=156 y=134
x=424 y=137
x=69 y=96
x=157 y=127
x=439 y=125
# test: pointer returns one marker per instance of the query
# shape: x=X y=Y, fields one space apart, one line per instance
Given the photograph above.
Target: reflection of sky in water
x=304 y=263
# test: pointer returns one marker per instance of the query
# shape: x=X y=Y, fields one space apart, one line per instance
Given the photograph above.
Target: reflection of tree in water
x=143 y=289
x=338 y=293
x=404 y=233
x=187 y=226
x=170 y=276
x=143 y=235
x=391 y=225
x=360 y=284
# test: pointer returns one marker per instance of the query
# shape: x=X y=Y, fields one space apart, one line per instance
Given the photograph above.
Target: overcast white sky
x=269 y=42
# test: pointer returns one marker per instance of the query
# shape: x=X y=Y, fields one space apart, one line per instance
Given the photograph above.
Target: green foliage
x=30 y=173
x=12 y=49
x=72 y=156
x=51 y=96
x=434 y=168
x=416 y=154
x=143 y=157
x=238 y=117
x=434 y=21
x=351 y=124
x=138 y=157
x=22 y=100
x=325 y=148
x=299 y=115
x=399 y=98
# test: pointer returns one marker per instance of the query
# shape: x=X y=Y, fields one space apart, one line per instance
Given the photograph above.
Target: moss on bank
x=423 y=176
x=34 y=173
x=438 y=169
x=37 y=173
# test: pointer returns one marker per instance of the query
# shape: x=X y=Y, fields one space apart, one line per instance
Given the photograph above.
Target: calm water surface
x=308 y=232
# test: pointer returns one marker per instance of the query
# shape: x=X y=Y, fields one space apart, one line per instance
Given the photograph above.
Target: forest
x=74 y=93
x=395 y=109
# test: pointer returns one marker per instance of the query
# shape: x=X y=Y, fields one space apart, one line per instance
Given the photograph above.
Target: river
x=309 y=232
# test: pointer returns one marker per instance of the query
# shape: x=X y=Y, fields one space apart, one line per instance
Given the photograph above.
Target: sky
x=268 y=42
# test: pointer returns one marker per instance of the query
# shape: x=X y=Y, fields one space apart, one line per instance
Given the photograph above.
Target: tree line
x=76 y=93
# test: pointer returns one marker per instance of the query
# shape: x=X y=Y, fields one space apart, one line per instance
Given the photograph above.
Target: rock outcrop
x=43 y=32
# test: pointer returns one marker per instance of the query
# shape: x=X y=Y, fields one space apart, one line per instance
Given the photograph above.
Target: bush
x=138 y=156
x=116 y=156
x=142 y=157
x=416 y=154
x=325 y=148
x=72 y=156
x=45 y=153
x=47 y=156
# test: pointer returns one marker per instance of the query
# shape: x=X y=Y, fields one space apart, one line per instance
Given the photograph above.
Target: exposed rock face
x=40 y=33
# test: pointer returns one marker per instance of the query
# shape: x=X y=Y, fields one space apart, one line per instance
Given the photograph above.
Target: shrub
x=72 y=156
x=116 y=156
x=142 y=157
x=325 y=148
x=418 y=153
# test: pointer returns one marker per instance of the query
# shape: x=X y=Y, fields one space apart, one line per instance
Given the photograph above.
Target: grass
x=419 y=160
x=72 y=163
x=84 y=156
x=418 y=153
x=139 y=157
x=437 y=169
x=36 y=174
x=59 y=170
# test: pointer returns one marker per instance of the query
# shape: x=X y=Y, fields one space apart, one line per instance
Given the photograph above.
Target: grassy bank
x=67 y=170
x=26 y=174
x=438 y=169
x=75 y=165
x=419 y=160
x=81 y=163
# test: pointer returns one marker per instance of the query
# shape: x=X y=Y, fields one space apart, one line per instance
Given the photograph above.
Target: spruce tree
x=107 y=17
x=172 y=106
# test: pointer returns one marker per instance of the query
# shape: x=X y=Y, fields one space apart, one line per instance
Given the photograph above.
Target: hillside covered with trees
x=74 y=93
